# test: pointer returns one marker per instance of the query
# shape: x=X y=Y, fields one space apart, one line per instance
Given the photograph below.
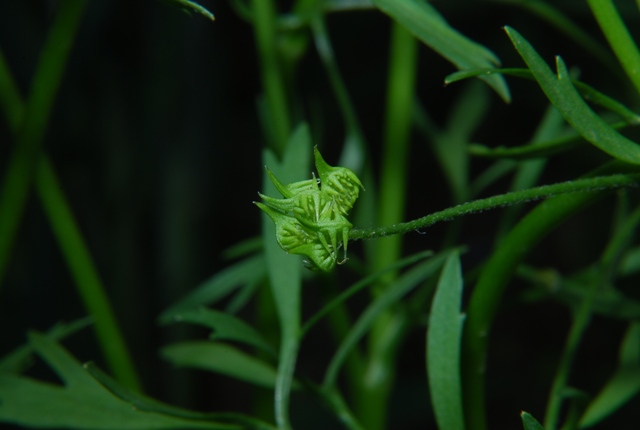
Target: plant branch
x=538 y=193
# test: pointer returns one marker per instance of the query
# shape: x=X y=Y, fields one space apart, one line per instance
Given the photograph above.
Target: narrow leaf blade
x=564 y=96
x=443 y=347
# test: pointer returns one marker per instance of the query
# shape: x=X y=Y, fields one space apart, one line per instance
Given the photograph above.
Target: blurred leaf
x=82 y=403
x=225 y=327
x=529 y=422
x=285 y=270
x=564 y=96
x=190 y=7
x=630 y=263
x=363 y=283
x=18 y=360
x=443 y=347
x=425 y=23
x=623 y=385
x=391 y=295
x=147 y=404
x=223 y=359
x=606 y=301
x=244 y=248
x=560 y=21
x=588 y=92
x=247 y=271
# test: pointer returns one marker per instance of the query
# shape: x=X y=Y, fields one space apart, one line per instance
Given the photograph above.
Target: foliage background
x=157 y=144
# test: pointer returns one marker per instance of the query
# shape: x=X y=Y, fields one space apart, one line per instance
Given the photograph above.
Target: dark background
x=156 y=141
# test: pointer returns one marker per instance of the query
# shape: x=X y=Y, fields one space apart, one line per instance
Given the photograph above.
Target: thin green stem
x=10 y=99
x=400 y=94
x=618 y=37
x=598 y=183
x=372 y=401
x=85 y=275
x=277 y=114
x=500 y=267
x=21 y=166
x=609 y=259
x=74 y=249
x=354 y=131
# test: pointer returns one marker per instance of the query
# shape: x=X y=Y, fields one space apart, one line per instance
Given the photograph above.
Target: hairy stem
x=579 y=185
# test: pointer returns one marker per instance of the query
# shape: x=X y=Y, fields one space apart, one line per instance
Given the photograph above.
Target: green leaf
x=82 y=403
x=529 y=422
x=443 y=347
x=18 y=360
x=623 y=385
x=391 y=295
x=363 y=283
x=425 y=23
x=247 y=271
x=225 y=327
x=586 y=91
x=147 y=404
x=190 y=7
x=564 y=96
x=223 y=359
x=284 y=271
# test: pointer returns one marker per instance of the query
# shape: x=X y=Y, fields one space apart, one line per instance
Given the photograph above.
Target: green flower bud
x=311 y=218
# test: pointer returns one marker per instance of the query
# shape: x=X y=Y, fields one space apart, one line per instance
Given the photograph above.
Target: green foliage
x=443 y=347
x=333 y=348
x=82 y=403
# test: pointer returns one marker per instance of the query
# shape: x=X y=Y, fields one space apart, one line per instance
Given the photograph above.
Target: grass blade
x=85 y=275
x=618 y=37
x=443 y=347
x=17 y=179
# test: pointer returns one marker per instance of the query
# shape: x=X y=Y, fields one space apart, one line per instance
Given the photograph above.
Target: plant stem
x=617 y=243
x=76 y=254
x=498 y=270
x=373 y=399
x=277 y=115
x=85 y=275
x=598 y=183
x=21 y=166
x=619 y=38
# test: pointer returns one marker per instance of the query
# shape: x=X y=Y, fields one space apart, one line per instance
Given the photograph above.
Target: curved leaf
x=443 y=347
x=82 y=403
x=565 y=97
x=223 y=359
x=425 y=23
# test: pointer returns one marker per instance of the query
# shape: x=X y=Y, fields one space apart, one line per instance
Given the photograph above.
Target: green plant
x=401 y=342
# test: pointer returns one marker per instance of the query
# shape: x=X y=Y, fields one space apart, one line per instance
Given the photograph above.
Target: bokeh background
x=156 y=140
